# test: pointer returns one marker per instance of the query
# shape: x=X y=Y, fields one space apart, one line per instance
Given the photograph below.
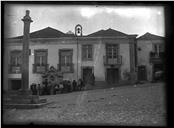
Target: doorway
x=112 y=75
x=15 y=84
x=142 y=73
x=158 y=72
x=87 y=74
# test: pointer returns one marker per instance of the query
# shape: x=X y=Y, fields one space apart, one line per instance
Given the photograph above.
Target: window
x=66 y=57
x=86 y=52
x=65 y=61
x=158 y=48
x=161 y=48
x=40 y=61
x=15 y=61
x=40 y=58
x=155 y=48
x=16 y=58
x=112 y=51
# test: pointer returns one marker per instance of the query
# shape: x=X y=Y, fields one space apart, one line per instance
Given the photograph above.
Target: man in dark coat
x=93 y=79
x=81 y=84
x=74 y=83
x=45 y=87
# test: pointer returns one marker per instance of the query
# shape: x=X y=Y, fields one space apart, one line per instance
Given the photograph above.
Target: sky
x=126 y=19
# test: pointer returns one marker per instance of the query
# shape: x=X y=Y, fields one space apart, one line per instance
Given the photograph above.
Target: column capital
x=27 y=17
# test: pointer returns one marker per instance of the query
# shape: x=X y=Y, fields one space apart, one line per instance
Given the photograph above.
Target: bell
x=78 y=30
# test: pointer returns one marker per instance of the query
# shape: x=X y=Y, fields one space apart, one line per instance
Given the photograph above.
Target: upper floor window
x=15 y=61
x=40 y=60
x=161 y=48
x=66 y=57
x=112 y=51
x=87 y=52
x=16 y=57
x=158 y=48
x=40 y=57
x=65 y=61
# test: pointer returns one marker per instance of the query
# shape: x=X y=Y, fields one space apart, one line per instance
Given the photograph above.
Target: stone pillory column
x=23 y=98
x=25 y=52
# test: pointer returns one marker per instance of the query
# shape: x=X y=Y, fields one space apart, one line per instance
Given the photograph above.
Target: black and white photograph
x=83 y=64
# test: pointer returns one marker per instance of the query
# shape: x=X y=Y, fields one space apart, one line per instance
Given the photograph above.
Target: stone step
x=25 y=106
x=24 y=101
x=23 y=96
x=18 y=92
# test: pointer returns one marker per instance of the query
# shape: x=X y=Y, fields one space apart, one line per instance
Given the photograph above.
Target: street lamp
x=78 y=32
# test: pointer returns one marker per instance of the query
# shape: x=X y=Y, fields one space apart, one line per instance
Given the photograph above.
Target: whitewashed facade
x=150 y=51
x=121 y=46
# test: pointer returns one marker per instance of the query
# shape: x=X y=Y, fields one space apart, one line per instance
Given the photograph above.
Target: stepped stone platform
x=22 y=100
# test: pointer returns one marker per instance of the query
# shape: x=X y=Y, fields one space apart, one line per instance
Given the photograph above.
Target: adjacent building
x=109 y=55
x=150 y=52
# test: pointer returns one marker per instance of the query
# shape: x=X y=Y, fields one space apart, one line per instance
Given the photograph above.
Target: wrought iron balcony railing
x=156 y=57
x=112 y=61
x=66 y=68
x=40 y=68
x=14 y=69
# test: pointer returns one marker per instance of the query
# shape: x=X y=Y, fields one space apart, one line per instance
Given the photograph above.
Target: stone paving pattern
x=142 y=105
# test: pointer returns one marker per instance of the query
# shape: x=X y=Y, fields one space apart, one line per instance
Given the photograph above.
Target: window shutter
x=87 y=52
x=12 y=60
x=20 y=60
x=44 y=60
x=83 y=52
x=62 y=60
x=41 y=57
x=69 y=60
x=37 y=60
x=90 y=51
x=161 y=48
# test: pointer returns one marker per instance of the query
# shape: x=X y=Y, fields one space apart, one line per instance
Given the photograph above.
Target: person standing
x=39 y=89
x=45 y=87
x=79 y=84
x=82 y=85
x=61 y=87
x=93 y=79
x=65 y=86
x=32 y=88
x=56 y=88
x=74 y=84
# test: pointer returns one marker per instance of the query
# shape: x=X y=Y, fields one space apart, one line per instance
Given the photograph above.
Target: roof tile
x=109 y=32
x=149 y=36
x=45 y=33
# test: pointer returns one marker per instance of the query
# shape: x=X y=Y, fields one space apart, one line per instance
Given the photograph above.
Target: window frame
x=60 y=64
x=86 y=52
x=113 y=52
x=156 y=48
x=16 y=58
x=35 y=65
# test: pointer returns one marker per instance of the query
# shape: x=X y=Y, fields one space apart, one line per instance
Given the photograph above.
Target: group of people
x=63 y=87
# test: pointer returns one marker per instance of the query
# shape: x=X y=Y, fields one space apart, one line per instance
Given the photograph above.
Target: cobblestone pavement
x=129 y=105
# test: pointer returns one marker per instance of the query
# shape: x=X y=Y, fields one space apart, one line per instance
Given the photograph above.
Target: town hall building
x=108 y=54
